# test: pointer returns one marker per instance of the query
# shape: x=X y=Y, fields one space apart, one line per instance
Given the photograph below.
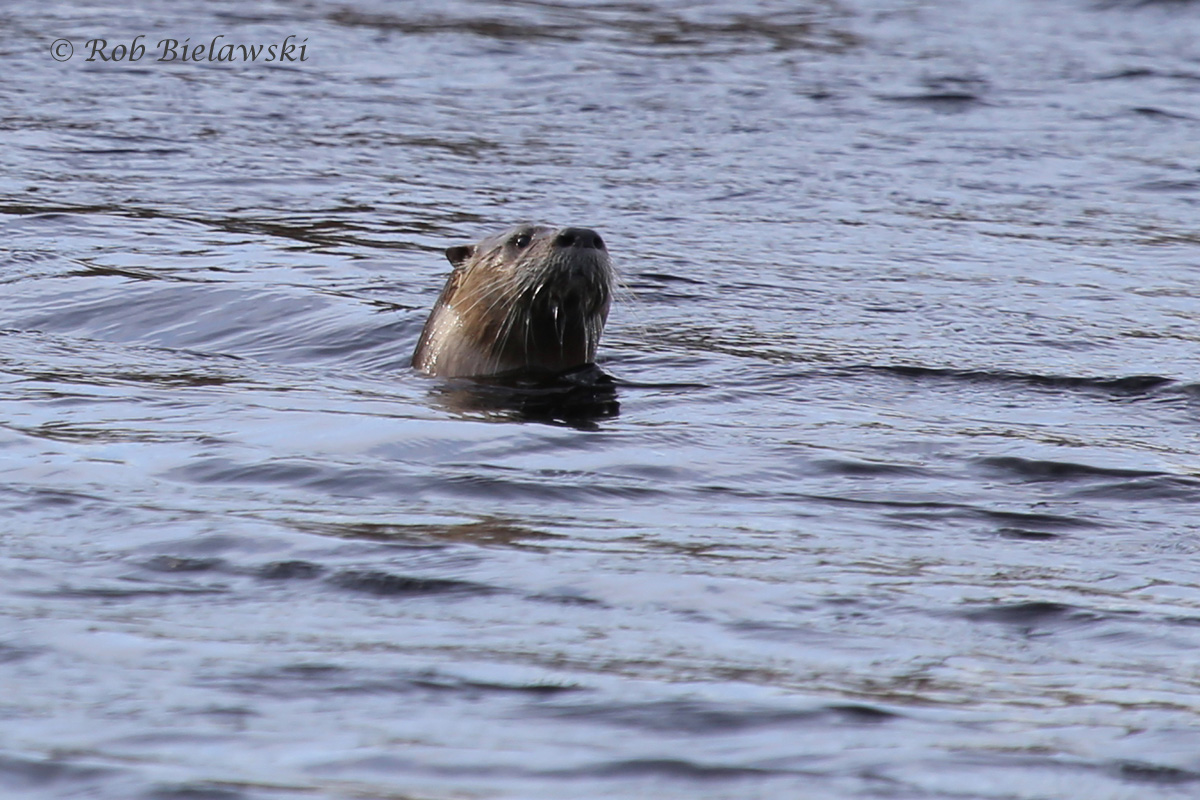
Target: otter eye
x=521 y=240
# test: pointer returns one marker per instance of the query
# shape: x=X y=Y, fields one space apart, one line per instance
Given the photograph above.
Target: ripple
x=700 y=718
x=1040 y=615
x=126 y=592
x=1164 y=487
x=868 y=469
x=10 y=653
x=24 y=774
x=166 y=563
x=386 y=584
x=939 y=101
x=289 y=570
x=1035 y=470
x=198 y=791
x=645 y=28
x=1124 y=386
x=1140 y=772
x=667 y=768
x=311 y=679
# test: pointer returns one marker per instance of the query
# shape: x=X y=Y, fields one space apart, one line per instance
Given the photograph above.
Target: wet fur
x=508 y=306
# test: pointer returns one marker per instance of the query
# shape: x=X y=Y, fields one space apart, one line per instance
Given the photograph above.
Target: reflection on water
x=579 y=397
x=883 y=486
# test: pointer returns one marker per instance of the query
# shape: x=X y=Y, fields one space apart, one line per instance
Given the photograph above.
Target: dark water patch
x=1039 y=616
x=939 y=101
x=387 y=584
x=863 y=713
x=578 y=398
x=1138 y=73
x=1026 y=535
x=1037 y=470
x=1158 y=113
x=1126 y=386
x=1140 y=772
x=1035 y=520
x=11 y=653
x=289 y=570
x=24 y=774
x=855 y=469
x=700 y=718
x=1021 y=613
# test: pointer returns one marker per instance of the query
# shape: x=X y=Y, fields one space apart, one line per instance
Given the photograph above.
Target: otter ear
x=459 y=253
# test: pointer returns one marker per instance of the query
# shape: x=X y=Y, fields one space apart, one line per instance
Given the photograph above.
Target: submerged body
x=529 y=298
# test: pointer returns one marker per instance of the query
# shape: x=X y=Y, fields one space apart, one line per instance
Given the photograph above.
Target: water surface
x=896 y=500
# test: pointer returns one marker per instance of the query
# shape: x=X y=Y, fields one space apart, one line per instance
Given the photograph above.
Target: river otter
x=531 y=297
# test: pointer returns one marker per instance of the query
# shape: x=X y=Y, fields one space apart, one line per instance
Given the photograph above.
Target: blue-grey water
x=898 y=495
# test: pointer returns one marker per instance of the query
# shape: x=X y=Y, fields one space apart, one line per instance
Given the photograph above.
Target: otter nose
x=579 y=237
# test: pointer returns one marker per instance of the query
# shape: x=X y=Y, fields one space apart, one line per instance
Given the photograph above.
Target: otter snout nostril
x=579 y=237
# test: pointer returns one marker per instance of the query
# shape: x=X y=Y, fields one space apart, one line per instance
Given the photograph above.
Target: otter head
x=531 y=297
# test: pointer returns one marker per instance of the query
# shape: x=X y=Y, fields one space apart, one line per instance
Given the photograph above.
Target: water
x=896 y=499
